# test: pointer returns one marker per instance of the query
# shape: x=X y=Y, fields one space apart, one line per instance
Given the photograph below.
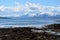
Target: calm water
x=25 y=22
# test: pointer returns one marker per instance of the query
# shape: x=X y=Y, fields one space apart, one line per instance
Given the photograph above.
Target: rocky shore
x=26 y=33
x=54 y=27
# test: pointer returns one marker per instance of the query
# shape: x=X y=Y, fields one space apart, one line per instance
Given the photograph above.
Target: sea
x=25 y=22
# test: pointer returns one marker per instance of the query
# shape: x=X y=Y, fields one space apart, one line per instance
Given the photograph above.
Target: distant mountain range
x=4 y=17
x=41 y=16
x=34 y=17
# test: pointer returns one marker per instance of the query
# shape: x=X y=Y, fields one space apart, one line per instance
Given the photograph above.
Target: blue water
x=26 y=21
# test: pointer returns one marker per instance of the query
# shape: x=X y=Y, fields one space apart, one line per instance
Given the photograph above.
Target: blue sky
x=42 y=2
x=30 y=7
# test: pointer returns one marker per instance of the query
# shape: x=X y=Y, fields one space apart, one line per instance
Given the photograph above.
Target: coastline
x=26 y=33
x=12 y=26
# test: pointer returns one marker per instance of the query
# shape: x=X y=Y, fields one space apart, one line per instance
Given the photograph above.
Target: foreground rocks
x=54 y=27
x=25 y=33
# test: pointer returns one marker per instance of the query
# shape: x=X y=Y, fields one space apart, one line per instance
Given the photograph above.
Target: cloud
x=17 y=3
x=30 y=9
x=41 y=10
x=2 y=8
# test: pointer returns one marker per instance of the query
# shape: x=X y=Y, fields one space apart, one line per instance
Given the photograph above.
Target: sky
x=42 y=2
x=16 y=8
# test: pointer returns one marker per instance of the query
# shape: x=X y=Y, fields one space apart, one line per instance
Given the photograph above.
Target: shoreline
x=12 y=26
x=27 y=33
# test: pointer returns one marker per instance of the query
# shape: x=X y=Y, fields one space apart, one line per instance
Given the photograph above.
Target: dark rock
x=24 y=33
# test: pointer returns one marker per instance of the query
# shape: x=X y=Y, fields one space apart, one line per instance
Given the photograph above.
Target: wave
x=12 y=26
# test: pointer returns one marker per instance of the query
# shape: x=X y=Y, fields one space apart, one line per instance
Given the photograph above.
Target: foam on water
x=12 y=26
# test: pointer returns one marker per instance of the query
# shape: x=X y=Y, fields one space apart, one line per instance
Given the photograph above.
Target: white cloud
x=31 y=9
x=2 y=8
x=40 y=9
x=17 y=3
